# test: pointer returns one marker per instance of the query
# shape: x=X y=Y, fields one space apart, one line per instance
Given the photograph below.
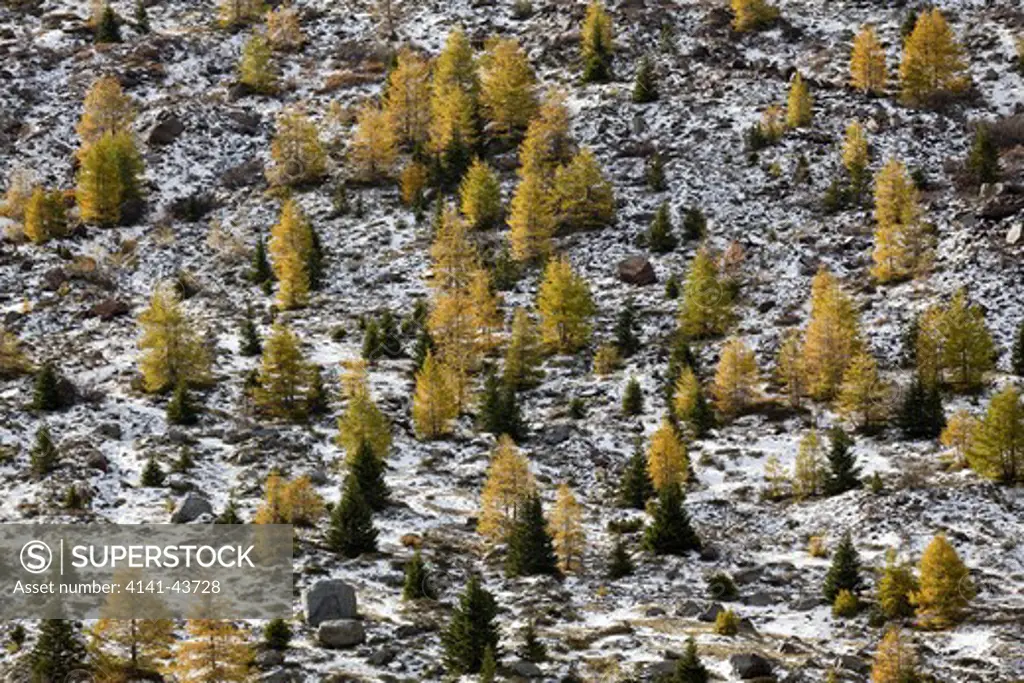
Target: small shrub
x=721 y=587
x=727 y=623
x=846 y=605
x=606 y=360
x=629 y=525
x=577 y=408
x=816 y=547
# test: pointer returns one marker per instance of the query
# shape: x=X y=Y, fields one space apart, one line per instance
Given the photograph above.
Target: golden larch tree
x=809 y=469
x=108 y=176
x=362 y=421
x=597 y=43
x=832 y=337
x=895 y=660
x=799 y=105
x=508 y=483
x=480 y=196
x=107 y=109
x=735 y=384
x=531 y=219
x=667 y=461
x=868 y=72
x=789 y=368
x=407 y=100
x=959 y=434
x=291 y=240
x=863 y=396
x=45 y=217
x=452 y=324
x=566 y=528
x=856 y=157
x=507 y=86
x=750 y=15
x=583 y=197
x=967 y=348
x=454 y=257
x=173 y=352
x=374 y=147
x=213 y=650
x=454 y=95
x=283 y=376
x=902 y=243
x=548 y=142
x=933 y=61
x=435 y=403
x=706 y=308
x=284 y=30
x=946 y=586
x=523 y=354
x=565 y=307
x=485 y=306
x=256 y=67
x=296 y=150
x=997 y=445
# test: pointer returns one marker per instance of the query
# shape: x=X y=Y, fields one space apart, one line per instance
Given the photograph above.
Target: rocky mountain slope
x=75 y=301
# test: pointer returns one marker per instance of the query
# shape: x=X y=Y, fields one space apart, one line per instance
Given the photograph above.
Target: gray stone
x=1014 y=234
x=341 y=633
x=526 y=669
x=330 y=599
x=556 y=434
x=268 y=659
x=167 y=131
x=278 y=676
x=191 y=508
x=750 y=665
x=853 y=663
x=636 y=270
x=711 y=613
x=760 y=599
x=805 y=604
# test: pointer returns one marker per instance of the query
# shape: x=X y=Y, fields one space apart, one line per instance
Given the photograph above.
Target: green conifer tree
x=417 y=581
x=633 y=398
x=277 y=635
x=620 y=564
x=46 y=395
x=181 y=410
x=261 y=271
x=983 y=159
x=141 y=17
x=44 y=457
x=230 y=514
x=530 y=549
x=58 y=651
x=637 y=487
x=471 y=631
x=108 y=30
x=695 y=224
x=368 y=470
x=1017 y=357
x=627 y=341
x=844 y=574
x=689 y=668
x=843 y=473
x=489 y=667
x=533 y=649
x=921 y=415
x=660 y=237
x=645 y=87
x=670 y=532
x=499 y=409
x=152 y=475
x=352 y=532
x=251 y=344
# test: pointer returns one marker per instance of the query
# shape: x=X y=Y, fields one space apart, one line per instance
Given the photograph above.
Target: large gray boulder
x=636 y=270
x=748 y=666
x=191 y=509
x=330 y=599
x=341 y=633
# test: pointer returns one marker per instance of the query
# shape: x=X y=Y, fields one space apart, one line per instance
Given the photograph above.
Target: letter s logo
x=36 y=557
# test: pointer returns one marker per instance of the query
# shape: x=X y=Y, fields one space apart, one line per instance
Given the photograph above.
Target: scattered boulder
x=167 y=131
x=191 y=509
x=853 y=663
x=339 y=633
x=330 y=599
x=526 y=669
x=750 y=665
x=268 y=659
x=1013 y=236
x=711 y=613
x=246 y=174
x=108 y=309
x=637 y=270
